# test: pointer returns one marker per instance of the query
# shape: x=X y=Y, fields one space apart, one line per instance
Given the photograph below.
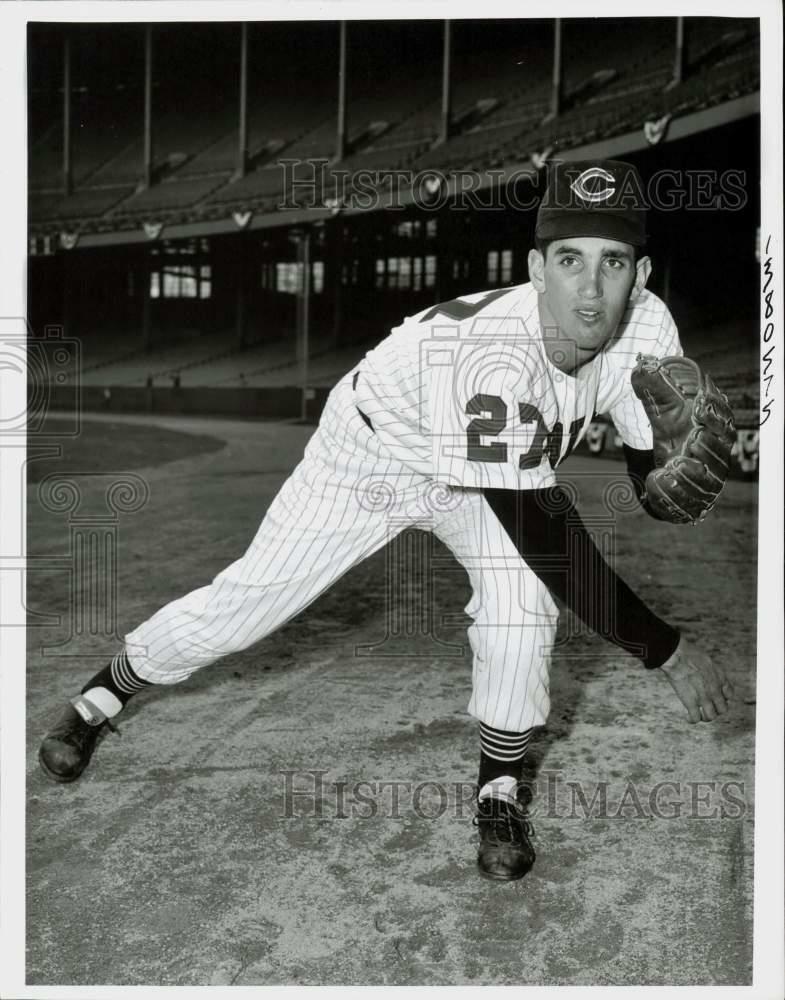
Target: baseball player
x=455 y=424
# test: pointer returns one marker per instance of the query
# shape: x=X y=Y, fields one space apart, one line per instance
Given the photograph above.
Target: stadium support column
x=67 y=178
x=242 y=151
x=340 y=144
x=147 y=325
x=65 y=274
x=678 y=59
x=335 y=275
x=306 y=320
x=302 y=239
x=148 y=106
x=446 y=124
x=242 y=282
x=556 y=83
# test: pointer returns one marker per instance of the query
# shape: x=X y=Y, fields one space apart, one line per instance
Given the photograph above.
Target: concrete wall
x=272 y=403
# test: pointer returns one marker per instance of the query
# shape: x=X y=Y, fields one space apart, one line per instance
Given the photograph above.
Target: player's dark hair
x=542 y=246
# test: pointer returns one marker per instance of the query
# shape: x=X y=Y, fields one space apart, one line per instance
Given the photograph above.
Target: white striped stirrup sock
x=109 y=690
x=504 y=746
x=124 y=677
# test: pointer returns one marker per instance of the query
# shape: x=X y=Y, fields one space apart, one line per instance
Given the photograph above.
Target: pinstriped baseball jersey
x=461 y=394
x=465 y=393
x=345 y=500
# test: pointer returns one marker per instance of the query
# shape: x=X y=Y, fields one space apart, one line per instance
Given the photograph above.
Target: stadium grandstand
x=225 y=216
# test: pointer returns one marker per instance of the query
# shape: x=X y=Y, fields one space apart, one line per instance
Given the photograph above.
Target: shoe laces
x=80 y=736
x=506 y=821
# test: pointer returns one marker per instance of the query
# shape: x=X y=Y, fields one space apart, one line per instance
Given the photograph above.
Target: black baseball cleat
x=506 y=852
x=68 y=746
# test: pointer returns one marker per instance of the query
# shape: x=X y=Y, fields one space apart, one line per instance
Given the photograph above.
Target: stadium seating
x=241 y=367
x=171 y=194
x=392 y=102
x=270 y=127
x=101 y=350
x=263 y=184
x=273 y=363
x=100 y=131
x=210 y=360
x=126 y=167
x=338 y=179
x=617 y=76
x=373 y=158
x=84 y=204
x=325 y=366
x=623 y=109
x=219 y=156
x=626 y=45
x=477 y=148
x=176 y=136
x=41 y=205
x=315 y=143
x=46 y=158
x=614 y=81
x=113 y=363
x=421 y=126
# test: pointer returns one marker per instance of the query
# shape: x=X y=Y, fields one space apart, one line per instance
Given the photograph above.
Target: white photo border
x=769 y=878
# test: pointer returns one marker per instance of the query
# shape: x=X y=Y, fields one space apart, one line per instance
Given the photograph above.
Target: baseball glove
x=693 y=431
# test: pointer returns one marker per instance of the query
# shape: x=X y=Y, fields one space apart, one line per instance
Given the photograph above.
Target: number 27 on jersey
x=491 y=418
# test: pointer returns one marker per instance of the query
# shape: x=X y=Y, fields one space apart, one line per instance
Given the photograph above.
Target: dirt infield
x=237 y=831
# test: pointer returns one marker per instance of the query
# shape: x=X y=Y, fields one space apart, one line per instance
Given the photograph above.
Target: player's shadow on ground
x=568 y=694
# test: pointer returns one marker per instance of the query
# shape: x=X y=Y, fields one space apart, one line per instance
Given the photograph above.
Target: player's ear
x=642 y=272
x=537 y=269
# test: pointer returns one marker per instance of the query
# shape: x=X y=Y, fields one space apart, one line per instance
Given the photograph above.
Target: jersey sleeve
x=488 y=414
x=626 y=410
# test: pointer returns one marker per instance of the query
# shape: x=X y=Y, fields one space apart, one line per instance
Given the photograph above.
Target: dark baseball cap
x=593 y=198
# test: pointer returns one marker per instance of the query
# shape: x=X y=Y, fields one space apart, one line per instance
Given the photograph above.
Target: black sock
x=501 y=753
x=119 y=678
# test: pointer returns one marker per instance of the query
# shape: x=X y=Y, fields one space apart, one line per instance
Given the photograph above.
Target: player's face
x=585 y=284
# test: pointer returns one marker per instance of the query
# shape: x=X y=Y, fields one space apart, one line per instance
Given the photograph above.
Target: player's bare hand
x=702 y=686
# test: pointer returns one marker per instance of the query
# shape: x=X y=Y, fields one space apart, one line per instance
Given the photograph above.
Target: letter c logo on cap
x=582 y=185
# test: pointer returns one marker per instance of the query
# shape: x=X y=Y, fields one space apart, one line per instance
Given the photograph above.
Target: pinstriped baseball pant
x=344 y=501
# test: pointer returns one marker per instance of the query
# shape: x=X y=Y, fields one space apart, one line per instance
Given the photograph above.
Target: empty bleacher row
x=481 y=146
x=136 y=366
x=210 y=360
